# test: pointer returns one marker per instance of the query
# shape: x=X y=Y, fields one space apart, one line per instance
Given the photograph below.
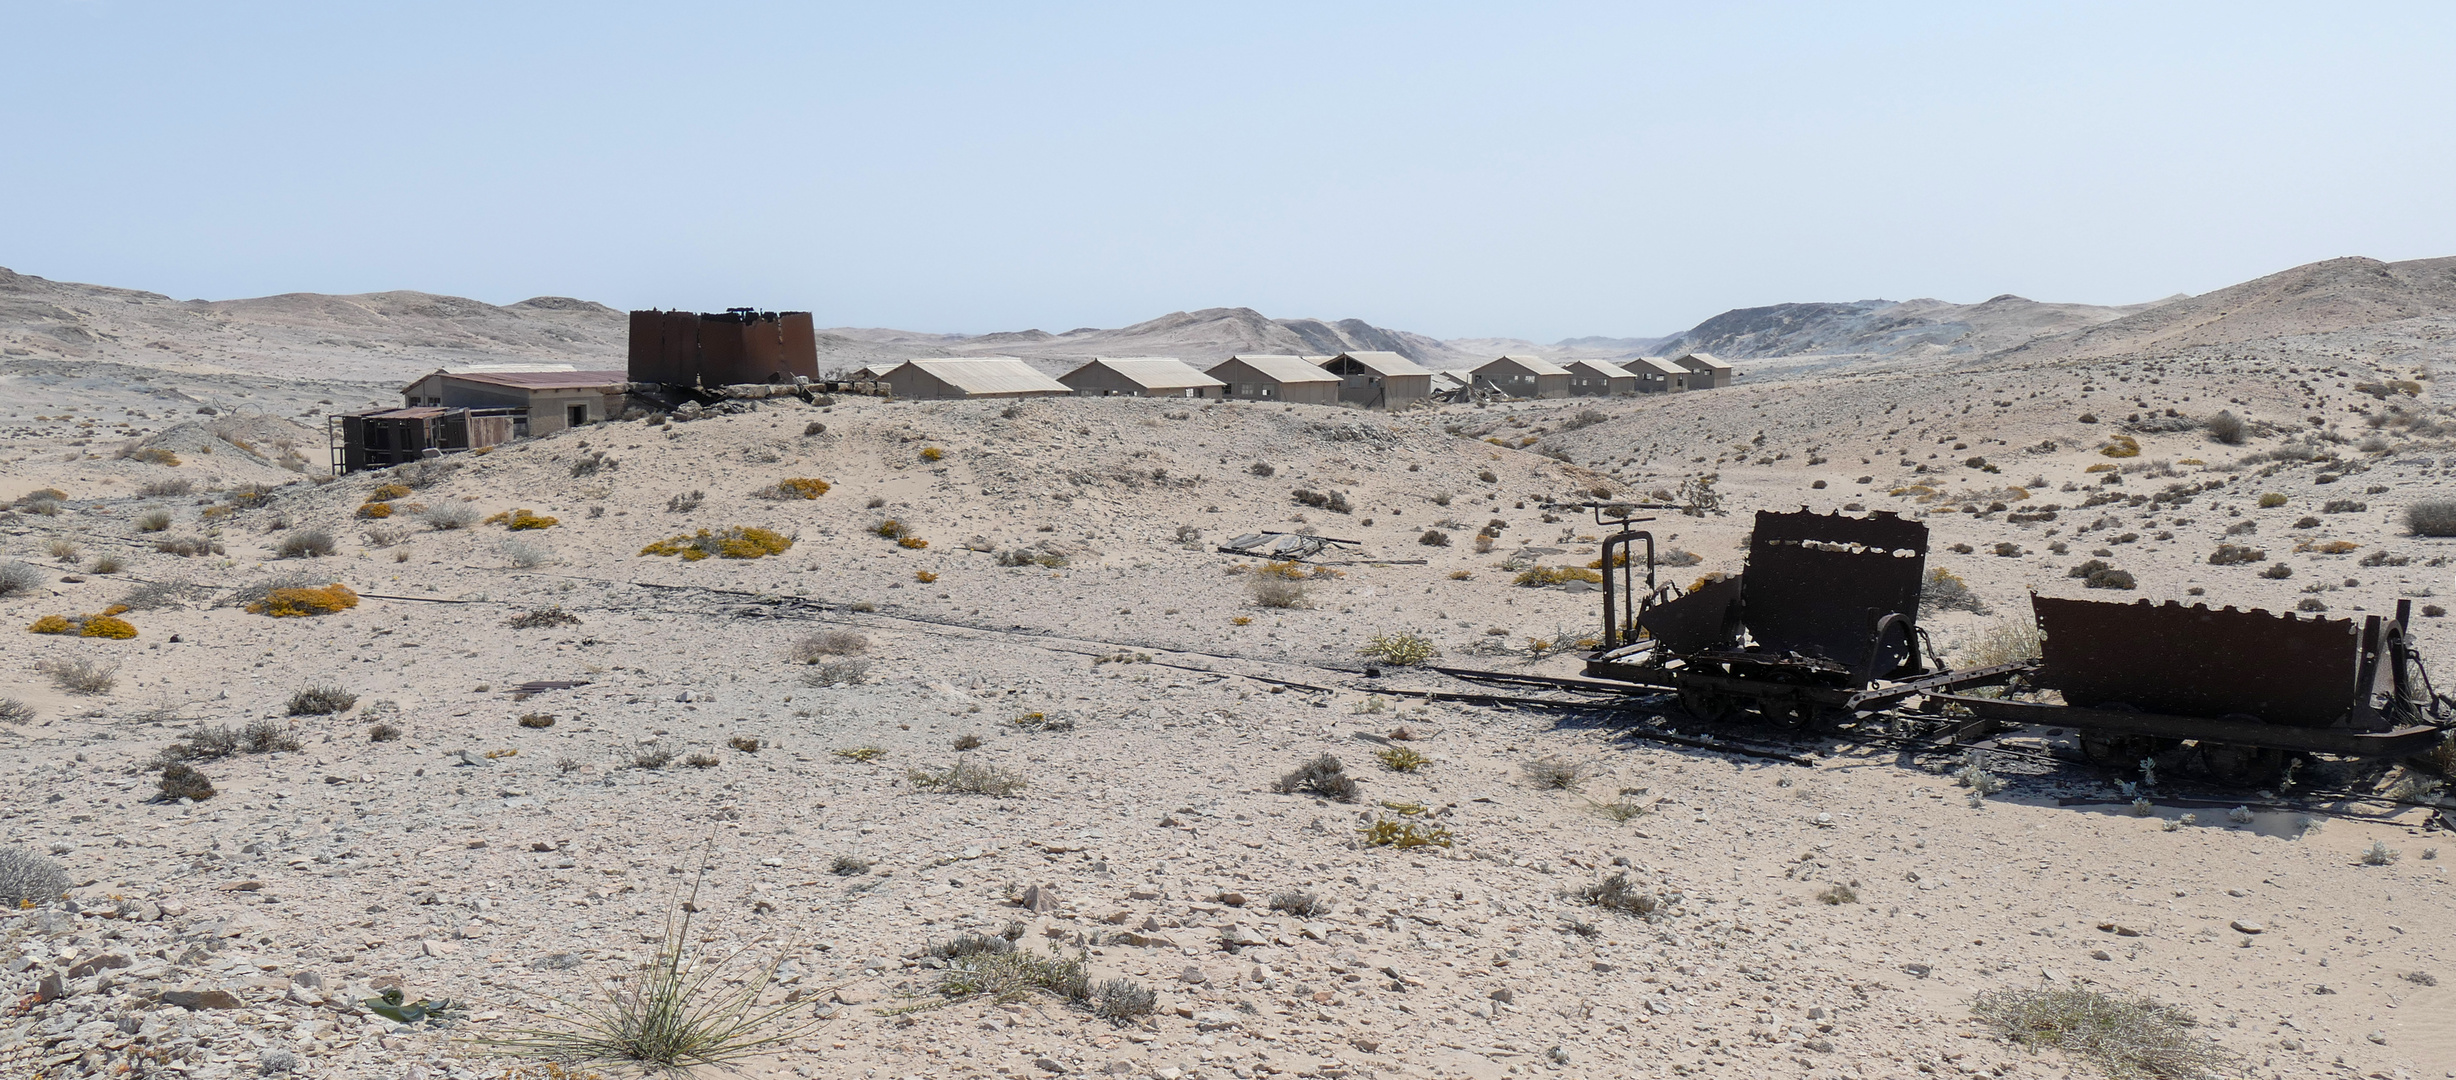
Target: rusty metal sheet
x=1696 y=622
x=1818 y=583
x=2195 y=661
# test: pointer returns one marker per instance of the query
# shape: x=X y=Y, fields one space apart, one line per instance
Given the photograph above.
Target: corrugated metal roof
x=1384 y=364
x=1151 y=372
x=1533 y=364
x=1707 y=359
x=1658 y=365
x=990 y=375
x=539 y=380
x=1444 y=381
x=1282 y=368
x=417 y=412
x=1605 y=368
x=481 y=369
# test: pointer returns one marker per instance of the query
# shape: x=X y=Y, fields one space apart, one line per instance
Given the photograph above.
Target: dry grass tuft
x=2003 y=641
x=81 y=676
x=813 y=648
x=2132 y=1038
x=548 y=617
x=1401 y=649
x=1619 y=893
x=967 y=777
x=537 y=720
x=1555 y=774
x=1402 y=759
x=2431 y=517
x=1323 y=776
x=28 y=879
x=689 y=1006
x=306 y=544
x=322 y=701
x=18 y=578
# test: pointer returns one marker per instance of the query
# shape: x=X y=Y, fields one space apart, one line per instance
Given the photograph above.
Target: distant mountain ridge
x=395 y=336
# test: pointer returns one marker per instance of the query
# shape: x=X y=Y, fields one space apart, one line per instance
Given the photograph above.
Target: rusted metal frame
x=1618 y=583
x=2396 y=742
x=1950 y=680
x=2198 y=661
x=1759 y=689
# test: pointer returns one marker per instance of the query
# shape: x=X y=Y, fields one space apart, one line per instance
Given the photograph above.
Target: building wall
x=1360 y=385
x=1513 y=379
x=549 y=410
x=1246 y=384
x=1589 y=384
x=1094 y=380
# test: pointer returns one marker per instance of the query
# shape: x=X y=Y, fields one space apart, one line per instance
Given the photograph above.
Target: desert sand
x=1070 y=613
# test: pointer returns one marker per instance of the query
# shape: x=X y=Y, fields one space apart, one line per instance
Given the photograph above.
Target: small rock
x=1143 y=892
x=1214 y=1019
x=855 y=995
x=1919 y=970
x=1816 y=1012
x=1505 y=996
x=686 y=696
x=96 y=964
x=1194 y=976
x=472 y=757
x=2100 y=954
x=2248 y=927
x=1235 y=935
x=193 y=1000
x=1039 y=899
x=1048 y=1065
x=2380 y=1037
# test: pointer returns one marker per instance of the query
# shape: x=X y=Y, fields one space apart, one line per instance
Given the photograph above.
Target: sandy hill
x=2348 y=294
x=1884 y=327
x=389 y=336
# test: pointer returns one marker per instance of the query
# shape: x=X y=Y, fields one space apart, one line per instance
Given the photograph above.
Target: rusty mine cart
x=2230 y=694
x=1823 y=624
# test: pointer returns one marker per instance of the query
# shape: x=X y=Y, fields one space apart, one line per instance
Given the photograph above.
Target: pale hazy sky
x=1523 y=169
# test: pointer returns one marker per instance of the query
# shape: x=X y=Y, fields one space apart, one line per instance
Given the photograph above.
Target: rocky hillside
x=2318 y=298
x=1885 y=327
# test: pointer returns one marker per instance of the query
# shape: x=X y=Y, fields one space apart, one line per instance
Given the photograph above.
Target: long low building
x=556 y=396
x=1276 y=377
x=965 y=378
x=1141 y=376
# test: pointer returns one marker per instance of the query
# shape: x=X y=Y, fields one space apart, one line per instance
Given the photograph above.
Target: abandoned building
x=1380 y=380
x=1523 y=377
x=1597 y=378
x=388 y=437
x=729 y=348
x=1141 y=376
x=546 y=397
x=1705 y=371
x=1277 y=377
x=1656 y=375
x=962 y=378
x=1448 y=384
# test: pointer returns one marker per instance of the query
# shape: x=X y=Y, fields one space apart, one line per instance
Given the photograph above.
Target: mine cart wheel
x=1707 y=705
x=2243 y=766
x=1801 y=714
x=2122 y=752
